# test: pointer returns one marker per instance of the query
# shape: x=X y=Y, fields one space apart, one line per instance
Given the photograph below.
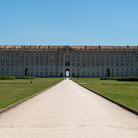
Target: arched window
x=107 y=73
x=27 y=72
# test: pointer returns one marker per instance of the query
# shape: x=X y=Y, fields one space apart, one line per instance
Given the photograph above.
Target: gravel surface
x=68 y=110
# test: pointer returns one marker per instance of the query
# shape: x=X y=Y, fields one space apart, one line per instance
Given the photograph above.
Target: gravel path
x=67 y=110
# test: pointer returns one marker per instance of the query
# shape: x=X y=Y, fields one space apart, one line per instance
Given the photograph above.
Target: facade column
x=134 y=59
x=124 y=60
x=29 y=56
x=59 y=63
x=75 y=59
x=64 y=56
x=129 y=59
x=110 y=54
x=95 y=60
x=70 y=56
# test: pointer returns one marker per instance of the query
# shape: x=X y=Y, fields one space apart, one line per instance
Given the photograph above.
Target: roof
x=27 y=47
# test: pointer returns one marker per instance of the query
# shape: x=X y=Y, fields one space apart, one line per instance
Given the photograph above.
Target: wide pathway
x=68 y=111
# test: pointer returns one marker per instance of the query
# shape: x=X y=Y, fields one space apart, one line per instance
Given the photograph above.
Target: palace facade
x=74 y=61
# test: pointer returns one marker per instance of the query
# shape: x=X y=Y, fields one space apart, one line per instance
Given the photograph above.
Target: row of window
x=79 y=70
x=82 y=74
x=79 y=56
x=73 y=64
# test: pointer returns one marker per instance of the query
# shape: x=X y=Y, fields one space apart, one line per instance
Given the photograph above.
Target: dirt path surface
x=67 y=110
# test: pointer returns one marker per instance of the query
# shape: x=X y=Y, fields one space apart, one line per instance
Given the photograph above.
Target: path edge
x=25 y=99
x=113 y=101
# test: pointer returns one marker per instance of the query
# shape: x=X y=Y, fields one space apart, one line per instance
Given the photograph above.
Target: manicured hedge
x=120 y=78
x=128 y=79
x=7 y=78
x=25 y=77
x=109 y=78
x=13 y=78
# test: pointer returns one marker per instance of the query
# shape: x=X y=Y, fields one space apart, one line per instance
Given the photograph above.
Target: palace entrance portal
x=67 y=73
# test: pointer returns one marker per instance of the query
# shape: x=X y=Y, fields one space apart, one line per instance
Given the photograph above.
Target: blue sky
x=69 y=22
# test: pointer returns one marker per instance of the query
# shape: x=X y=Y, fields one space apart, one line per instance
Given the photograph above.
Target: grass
x=12 y=91
x=120 y=91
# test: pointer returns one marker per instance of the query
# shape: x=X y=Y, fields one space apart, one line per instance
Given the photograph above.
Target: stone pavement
x=68 y=110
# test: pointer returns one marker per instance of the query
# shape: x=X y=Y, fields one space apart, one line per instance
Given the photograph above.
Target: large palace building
x=73 y=61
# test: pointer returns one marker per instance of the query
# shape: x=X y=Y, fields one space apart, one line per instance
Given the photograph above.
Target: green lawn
x=125 y=92
x=12 y=91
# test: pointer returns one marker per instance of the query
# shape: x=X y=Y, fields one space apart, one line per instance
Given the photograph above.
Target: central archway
x=67 y=73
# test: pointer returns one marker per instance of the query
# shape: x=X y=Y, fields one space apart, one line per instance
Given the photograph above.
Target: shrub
x=120 y=78
x=108 y=78
x=25 y=77
x=128 y=79
x=7 y=77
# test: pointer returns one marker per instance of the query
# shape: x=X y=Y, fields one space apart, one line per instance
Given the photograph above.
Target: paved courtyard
x=67 y=110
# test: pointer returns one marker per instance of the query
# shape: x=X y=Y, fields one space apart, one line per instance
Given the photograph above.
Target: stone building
x=73 y=61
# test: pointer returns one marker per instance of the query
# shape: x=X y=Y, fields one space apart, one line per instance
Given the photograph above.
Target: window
x=32 y=57
x=73 y=64
x=7 y=57
x=26 y=57
x=36 y=57
x=93 y=57
x=102 y=63
x=17 y=57
x=93 y=64
x=2 y=57
x=55 y=57
x=98 y=57
x=83 y=56
x=107 y=57
x=51 y=57
x=132 y=64
x=12 y=57
x=78 y=57
x=88 y=57
x=61 y=57
x=102 y=57
x=117 y=57
x=132 y=57
x=112 y=57
x=46 y=57
x=73 y=57
x=22 y=57
x=126 y=57
x=78 y=63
